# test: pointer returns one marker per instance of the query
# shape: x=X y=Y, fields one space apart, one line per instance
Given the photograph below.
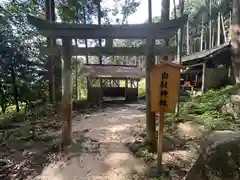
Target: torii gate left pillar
x=67 y=93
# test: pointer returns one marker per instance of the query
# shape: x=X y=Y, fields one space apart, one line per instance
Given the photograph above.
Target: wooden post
x=100 y=45
x=150 y=61
x=165 y=85
x=126 y=88
x=203 y=77
x=76 y=82
x=160 y=140
x=196 y=79
x=67 y=94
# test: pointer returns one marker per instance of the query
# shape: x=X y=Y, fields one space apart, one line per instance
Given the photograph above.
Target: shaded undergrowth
x=206 y=110
x=175 y=167
x=28 y=142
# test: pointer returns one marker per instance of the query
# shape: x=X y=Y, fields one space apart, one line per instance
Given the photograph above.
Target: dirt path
x=102 y=155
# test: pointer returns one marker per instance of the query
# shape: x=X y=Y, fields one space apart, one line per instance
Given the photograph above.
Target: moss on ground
x=206 y=109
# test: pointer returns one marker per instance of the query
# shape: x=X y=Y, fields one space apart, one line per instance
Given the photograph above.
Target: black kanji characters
x=164 y=75
x=164 y=84
x=164 y=89
x=163 y=103
x=164 y=92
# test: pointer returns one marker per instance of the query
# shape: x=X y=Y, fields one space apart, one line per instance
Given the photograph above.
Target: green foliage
x=142 y=87
x=21 y=67
x=197 y=11
x=206 y=109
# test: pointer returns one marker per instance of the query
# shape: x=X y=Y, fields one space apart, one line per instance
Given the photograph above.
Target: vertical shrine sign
x=165 y=86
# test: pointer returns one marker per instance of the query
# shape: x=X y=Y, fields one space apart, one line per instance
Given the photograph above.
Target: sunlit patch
x=117 y=128
x=178 y=157
x=116 y=159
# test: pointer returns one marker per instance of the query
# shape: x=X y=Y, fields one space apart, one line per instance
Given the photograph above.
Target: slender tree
x=210 y=24
x=187 y=38
x=179 y=44
x=165 y=9
x=50 y=15
x=235 y=38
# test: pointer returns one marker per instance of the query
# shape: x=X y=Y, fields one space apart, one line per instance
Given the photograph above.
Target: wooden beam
x=116 y=78
x=45 y=24
x=125 y=65
x=118 y=34
x=130 y=31
x=106 y=51
x=67 y=94
x=194 y=65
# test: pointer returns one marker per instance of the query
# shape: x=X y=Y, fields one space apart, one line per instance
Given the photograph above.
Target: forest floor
x=103 y=143
x=99 y=151
x=108 y=144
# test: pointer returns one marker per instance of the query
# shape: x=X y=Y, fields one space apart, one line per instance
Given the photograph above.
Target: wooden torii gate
x=67 y=32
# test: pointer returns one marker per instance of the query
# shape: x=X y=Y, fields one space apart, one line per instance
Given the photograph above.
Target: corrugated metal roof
x=202 y=54
x=116 y=71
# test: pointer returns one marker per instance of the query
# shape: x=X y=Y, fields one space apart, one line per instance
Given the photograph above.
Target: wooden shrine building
x=117 y=81
x=67 y=32
x=207 y=69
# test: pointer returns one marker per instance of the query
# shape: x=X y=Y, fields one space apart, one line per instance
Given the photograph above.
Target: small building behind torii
x=208 y=69
x=117 y=81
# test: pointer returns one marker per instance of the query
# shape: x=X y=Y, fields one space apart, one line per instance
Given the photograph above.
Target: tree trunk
x=54 y=68
x=100 y=44
x=223 y=29
x=210 y=24
x=76 y=81
x=219 y=29
x=188 y=45
x=202 y=34
x=230 y=25
x=175 y=16
x=85 y=41
x=179 y=46
x=150 y=116
x=3 y=100
x=213 y=36
x=15 y=90
x=235 y=42
x=57 y=62
x=205 y=41
x=165 y=9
